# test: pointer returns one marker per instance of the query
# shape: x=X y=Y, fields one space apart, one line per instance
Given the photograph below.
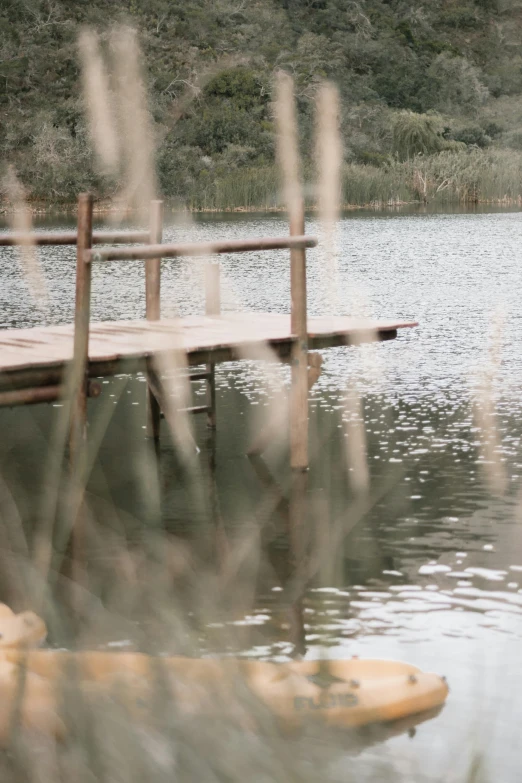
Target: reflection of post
x=292 y=573
x=80 y=375
x=298 y=532
x=220 y=538
x=81 y=327
x=153 y=307
x=297 y=635
x=212 y=307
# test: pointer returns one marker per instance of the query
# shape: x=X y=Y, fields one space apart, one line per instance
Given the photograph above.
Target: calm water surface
x=431 y=568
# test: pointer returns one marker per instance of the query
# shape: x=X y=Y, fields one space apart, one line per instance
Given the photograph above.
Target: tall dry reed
x=99 y=103
x=22 y=224
x=484 y=409
x=329 y=157
x=135 y=124
x=287 y=144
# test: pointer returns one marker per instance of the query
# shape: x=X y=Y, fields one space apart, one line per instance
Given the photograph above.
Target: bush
x=463 y=18
x=416 y=134
x=514 y=140
x=493 y=129
x=372 y=158
x=237 y=86
x=214 y=129
x=472 y=135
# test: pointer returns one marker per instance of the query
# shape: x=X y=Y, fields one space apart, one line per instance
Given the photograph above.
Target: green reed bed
x=363 y=185
x=449 y=177
x=243 y=188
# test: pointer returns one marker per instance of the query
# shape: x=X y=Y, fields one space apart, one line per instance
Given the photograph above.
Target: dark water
x=429 y=569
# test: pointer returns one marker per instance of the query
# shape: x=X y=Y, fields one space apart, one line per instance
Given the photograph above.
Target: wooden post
x=212 y=307
x=299 y=391
x=153 y=308
x=79 y=383
x=298 y=408
x=81 y=328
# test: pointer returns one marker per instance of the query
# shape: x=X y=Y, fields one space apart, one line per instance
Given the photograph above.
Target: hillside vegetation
x=431 y=94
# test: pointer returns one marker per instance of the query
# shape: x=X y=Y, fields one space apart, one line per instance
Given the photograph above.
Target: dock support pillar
x=212 y=307
x=298 y=400
x=299 y=328
x=153 y=309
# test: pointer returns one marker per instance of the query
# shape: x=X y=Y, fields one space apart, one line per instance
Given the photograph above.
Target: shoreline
x=112 y=208
x=46 y=209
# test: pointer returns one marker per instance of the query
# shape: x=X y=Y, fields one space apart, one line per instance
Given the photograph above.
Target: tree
x=455 y=85
x=416 y=134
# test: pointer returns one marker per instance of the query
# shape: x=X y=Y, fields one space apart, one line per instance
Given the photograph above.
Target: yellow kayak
x=95 y=665
x=20 y=630
x=343 y=693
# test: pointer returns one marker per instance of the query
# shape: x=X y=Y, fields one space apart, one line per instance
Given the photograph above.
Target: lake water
x=427 y=569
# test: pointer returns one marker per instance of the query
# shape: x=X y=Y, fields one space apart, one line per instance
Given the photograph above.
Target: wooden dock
x=40 y=356
x=48 y=363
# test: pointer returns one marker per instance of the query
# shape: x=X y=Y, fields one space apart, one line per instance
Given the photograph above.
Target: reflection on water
x=430 y=569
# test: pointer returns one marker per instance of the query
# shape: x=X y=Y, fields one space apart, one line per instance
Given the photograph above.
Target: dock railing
x=151 y=254
x=147 y=247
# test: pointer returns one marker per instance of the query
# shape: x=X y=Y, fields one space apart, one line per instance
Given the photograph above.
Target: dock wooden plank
x=43 y=347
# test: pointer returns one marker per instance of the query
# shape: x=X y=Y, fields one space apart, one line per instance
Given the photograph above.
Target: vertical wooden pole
x=298 y=407
x=153 y=307
x=81 y=328
x=212 y=307
x=299 y=327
